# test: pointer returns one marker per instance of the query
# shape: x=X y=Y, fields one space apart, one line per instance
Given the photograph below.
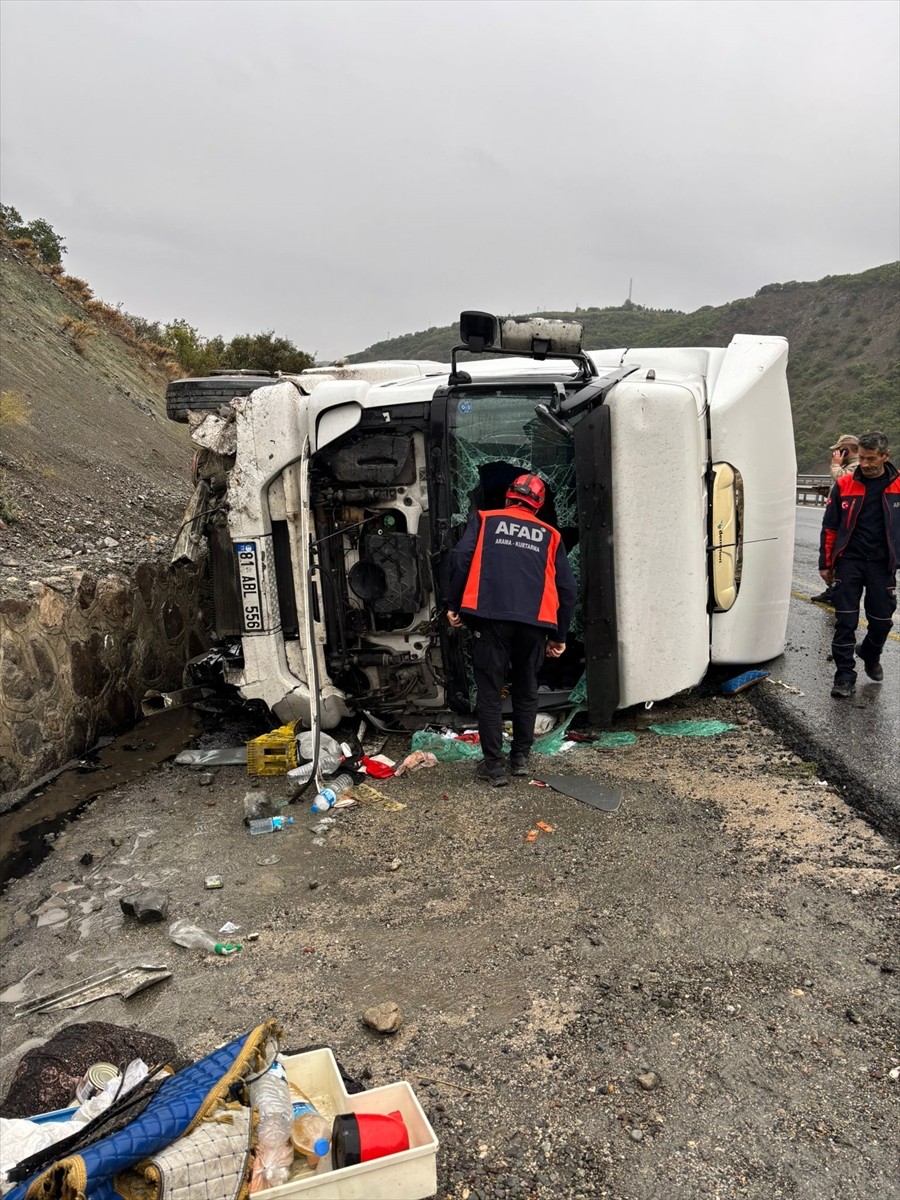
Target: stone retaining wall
x=77 y=657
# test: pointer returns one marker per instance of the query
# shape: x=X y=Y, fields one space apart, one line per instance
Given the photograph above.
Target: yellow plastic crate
x=273 y=753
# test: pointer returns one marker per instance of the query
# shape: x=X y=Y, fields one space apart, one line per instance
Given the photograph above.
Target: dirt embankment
x=93 y=484
x=92 y=473
x=694 y=997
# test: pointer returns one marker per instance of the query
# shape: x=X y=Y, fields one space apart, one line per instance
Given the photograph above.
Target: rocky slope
x=92 y=474
x=93 y=484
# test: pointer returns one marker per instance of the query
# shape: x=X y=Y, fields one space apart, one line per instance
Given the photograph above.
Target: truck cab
x=329 y=504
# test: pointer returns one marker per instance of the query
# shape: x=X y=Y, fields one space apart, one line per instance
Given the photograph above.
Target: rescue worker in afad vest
x=511 y=581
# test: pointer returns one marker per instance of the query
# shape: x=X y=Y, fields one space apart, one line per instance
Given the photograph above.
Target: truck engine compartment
x=369 y=502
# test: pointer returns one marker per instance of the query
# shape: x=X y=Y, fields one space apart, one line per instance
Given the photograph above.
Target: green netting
x=578 y=694
x=609 y=741
x=693 y=728
x=444 y=749
x=551 y=743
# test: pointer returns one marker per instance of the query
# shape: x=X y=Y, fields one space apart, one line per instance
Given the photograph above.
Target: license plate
x=248 y=576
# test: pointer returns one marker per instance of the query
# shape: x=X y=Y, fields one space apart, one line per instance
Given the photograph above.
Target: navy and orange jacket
x=511 y=566
x=842 y=512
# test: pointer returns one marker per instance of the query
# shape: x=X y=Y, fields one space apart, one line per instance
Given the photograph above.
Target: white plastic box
x=409 y=1175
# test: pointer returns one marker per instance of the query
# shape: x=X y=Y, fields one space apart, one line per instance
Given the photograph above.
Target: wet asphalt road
x=857 y=741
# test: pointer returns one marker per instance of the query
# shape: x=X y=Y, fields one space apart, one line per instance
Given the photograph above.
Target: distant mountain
x=844 y=335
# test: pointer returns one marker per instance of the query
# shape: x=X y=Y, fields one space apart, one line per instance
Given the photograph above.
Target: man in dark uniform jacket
x=511 y=579
x=859 y=552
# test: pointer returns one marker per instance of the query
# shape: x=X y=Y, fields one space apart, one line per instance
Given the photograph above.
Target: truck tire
x=208 y=394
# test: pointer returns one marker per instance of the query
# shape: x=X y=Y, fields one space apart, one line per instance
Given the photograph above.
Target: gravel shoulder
x=694 y=996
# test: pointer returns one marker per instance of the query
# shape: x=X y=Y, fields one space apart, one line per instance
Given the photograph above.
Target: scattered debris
x=231 y=756
x=211 y=882
x=583 y=788
x=273 y=753
x=114 y=981
x=154 y=702
x=416 y=761
x=257 y=806
x=442 y=747
x=185 y=933
x=379 y=766
x=540 y=827
x=368 y=795
x=145 y=907
x=692 y=728
x=787 y=687
x=614 y=741
x=740 y=683
x=47 y=1075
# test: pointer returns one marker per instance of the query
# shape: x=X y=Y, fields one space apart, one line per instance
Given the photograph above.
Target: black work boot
x=518 y=762
x=494 y=774
x=871 y=666
x=842 y=687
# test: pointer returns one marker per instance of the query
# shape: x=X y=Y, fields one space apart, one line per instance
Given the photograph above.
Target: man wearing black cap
x=510 y=578
x=858 y=554
x=844 y=461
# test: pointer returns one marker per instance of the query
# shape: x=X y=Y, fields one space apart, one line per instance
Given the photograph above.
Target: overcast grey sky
x=342 y=171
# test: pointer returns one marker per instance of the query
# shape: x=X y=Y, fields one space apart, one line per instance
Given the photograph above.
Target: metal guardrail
x=813 y=490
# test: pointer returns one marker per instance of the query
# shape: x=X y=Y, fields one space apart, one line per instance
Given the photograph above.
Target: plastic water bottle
x=328 y=795
x=269 y=824
x=192 y=937
x=310 y=1133
x=271 y=1097
x=331 y=756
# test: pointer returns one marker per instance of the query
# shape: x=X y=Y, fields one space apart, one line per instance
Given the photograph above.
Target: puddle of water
x=48 y=809
x=17 y=991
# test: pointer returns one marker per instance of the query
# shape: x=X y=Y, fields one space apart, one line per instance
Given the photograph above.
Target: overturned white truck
x=329 y=503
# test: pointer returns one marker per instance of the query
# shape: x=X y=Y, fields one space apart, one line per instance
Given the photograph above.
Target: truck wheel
x=208 y=394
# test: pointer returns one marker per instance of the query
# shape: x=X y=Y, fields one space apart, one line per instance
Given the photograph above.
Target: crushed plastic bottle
x=330 y=756
x=269 y=824
x=271 y=1097
x=185 y=933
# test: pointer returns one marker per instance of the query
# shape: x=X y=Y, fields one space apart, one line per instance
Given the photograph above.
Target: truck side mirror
x=479 y=330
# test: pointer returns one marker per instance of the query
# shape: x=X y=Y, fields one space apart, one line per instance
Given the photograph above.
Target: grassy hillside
x=843 y=330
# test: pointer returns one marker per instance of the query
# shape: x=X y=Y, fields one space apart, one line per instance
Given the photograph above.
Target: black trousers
x=852 y=577
x=496 y=647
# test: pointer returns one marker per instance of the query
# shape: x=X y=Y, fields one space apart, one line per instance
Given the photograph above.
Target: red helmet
x=527 y=489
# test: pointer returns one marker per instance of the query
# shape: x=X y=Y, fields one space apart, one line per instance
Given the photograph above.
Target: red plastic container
x=360 y=1137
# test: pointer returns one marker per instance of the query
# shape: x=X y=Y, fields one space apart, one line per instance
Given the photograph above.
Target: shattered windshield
x=496 y=435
